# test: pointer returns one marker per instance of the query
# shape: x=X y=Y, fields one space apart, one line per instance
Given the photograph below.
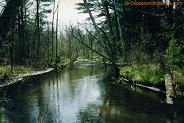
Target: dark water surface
x=82 y=95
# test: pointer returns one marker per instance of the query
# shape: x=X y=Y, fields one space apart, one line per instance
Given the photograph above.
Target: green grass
x=178 y=75
x=151 y=73
x=143 y=73
x=18 y=69
x=3 y=70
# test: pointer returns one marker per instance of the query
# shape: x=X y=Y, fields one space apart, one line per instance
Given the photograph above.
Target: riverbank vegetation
x=150 y=74
x=5 y=71
x=28 y=42
x=146 y=39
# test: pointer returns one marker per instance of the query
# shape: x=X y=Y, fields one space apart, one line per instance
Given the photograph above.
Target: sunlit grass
x=64 y=62
x=3 y=70
x=143 y=73
x=178 y=75
x=151 y=73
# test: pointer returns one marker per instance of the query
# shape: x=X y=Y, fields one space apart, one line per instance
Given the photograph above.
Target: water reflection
x=81 y=95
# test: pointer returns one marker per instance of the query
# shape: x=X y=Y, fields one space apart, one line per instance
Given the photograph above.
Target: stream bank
x=150 y=76
x=83 y=94
x=20 y=73
x=24 y=76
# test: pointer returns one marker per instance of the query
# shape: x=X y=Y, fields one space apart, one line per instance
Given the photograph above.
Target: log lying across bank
x=169 y=90
x=150 y=88
x=21 y=77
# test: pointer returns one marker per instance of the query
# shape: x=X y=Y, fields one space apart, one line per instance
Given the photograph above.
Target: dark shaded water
x=82 y=95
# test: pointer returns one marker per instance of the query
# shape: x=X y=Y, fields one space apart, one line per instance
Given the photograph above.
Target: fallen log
x=150 y=88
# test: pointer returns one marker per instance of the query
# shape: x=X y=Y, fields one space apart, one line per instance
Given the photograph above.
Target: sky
x=2 y=3
x=68 y=14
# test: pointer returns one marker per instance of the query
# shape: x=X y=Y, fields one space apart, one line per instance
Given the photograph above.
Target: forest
x=143 y=42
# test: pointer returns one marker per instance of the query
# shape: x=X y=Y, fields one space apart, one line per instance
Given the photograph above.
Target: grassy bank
x=6 y=74
x=150 y=74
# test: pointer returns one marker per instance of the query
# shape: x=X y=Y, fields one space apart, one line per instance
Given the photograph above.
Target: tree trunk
x=106 y=42
x=52 y=58
x=169 y=84
x=7 y=18
x=57 y=37
x=11 y=50
x=109 y=24
x=110 y=46
x=38 y=29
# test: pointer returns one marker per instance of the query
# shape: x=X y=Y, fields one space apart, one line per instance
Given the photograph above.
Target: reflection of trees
x=81 y=72
x=137 y=100
x=89 y=114
x=124 y=105
x=42 y=101
x=2 y=117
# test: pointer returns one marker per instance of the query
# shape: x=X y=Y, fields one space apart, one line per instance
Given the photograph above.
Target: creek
x=84 y=95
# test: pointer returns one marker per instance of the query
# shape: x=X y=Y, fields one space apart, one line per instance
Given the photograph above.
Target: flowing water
x=83 y=95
